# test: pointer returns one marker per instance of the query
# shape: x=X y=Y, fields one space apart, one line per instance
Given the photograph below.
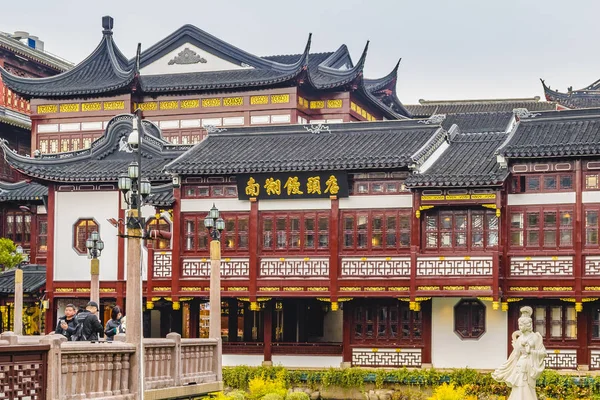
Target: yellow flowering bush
x=448 y=392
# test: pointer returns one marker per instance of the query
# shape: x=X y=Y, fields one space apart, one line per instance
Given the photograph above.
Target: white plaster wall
x=332 y=326
x=450 y=351
x=204 y=205
x=71 y=206
x=307 y=361
x=524 y=199
x=590 y=197
x=213 y=63
x=374 y=201
x=294 y=204
x=233 y=360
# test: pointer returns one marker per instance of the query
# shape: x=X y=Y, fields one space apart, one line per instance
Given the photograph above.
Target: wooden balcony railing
x=10 y=100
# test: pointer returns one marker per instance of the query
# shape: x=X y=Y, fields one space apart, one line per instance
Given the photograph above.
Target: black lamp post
x=214 y=223
x=95 y=245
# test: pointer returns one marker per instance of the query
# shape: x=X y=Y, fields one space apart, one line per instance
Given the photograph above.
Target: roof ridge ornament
x=187 y=56
x=107 y=24
x=124 y=145
x=435 y=119
x=524 y=113
x=213 y=129
x=320 y=128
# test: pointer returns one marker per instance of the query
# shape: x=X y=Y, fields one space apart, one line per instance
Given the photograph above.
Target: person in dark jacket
x=114 y=324
x=92 y=327
x=67 y=324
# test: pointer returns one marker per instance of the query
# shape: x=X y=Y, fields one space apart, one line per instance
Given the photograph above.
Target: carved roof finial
x=107 y=24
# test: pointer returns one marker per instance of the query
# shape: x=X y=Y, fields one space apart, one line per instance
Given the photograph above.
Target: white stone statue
x=526 y=362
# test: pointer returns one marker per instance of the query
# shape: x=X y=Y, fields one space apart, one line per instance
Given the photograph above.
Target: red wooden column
x=583 y=354
x=268 y=331
x=50 y=313
x=426 y=327
x=33 y=236
x=415 y=240
x=334 y=247
x=150 y=273
x=504 y=242
x=346 y=332
x=253 y=249
x=176 y=247
x=496 y=257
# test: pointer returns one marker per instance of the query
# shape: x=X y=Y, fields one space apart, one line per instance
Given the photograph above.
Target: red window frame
x=197 y=239
x=158 y=224
x=294 y=232
x=383 y=187
x=18 y=227
x=591 y=226
x=42 y=233
x=591 y=181
x=82 y=229
x=375 y=231
x=386 y=323
x=541 y=227
x=459 y=230
x=552 y=318
x=543 y=183
x=469 y=319
x=205 y=191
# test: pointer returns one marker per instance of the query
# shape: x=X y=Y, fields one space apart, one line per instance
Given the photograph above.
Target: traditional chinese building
x=586 y=97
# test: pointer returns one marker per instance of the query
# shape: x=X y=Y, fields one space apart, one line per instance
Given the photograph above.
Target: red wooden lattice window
x=591 y=227
x=233 y=239
x=469 y=319
x=83 y=228
x=546 y=183
x=541 y=227
x=557 y=323
x=460 y=229
x=387 y=323
x=162 y=225
x=42 y=233
x=308 y=231
x=376 y=230
x=18 y=227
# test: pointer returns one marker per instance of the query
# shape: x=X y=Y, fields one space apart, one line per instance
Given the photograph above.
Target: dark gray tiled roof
x=428 y=108
x=105 y=160
x=469 y=160
x=161 y=196
x=479 y=122
x=357 y=146
x=106 y=70
x=555 y=134
x=34 y=279
x=22 y=191
x=587 y=97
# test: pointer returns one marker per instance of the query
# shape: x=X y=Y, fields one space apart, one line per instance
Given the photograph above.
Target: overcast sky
x=450 y=49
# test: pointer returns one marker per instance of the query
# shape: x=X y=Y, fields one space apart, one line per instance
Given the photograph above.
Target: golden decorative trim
x=441 y=258
x=149 y=106
x=69 y=107
x=353 y=106
x=363 y=113
x=454 y=288
x=514 y=299
x=280 y=98
x=63 y=290
x=426 y=198
x=374 y=289
x=47 y=109
x=399 y=288
x=350 y=289
x=490 y=206
x=186 y=298
x=485 y=298
x=107 y=290
x=316 y=104
x=227 y=259
x=458 y=197
x=557 y=288
x=97 y=106
x=233 y=101
x=189 y=289
x=421 y=208
x=195 y=103
x=527 y=258
x=293 y=289
x=589 y=299
x=568 y=299
x=483 y=196
x=363 y=259
x=317 y=289
x=592 y=288
x=82 y=290
x=523 y=288
x=480 y=288
x=302 y=102
x=162 y=289
x=428 y=288
x=554 y=258
x=257 y=100
x=215 y=102
x=268 y=289
x=306 y=258
x=467 y=258
x=237 y=289
x=169 y=105
x=158 y=298
x=337 y=103
x=114 y=105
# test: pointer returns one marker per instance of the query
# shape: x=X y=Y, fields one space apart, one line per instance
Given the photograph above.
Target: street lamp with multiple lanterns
x=95 y=245
x=215 y=225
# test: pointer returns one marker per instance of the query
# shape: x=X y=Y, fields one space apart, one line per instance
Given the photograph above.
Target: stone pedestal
x=95 y=282
x=215 y=290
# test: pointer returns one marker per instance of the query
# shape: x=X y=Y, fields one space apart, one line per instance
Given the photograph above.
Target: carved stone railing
x=81 y=370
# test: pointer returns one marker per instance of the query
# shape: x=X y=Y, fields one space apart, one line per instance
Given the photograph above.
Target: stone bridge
x=49 y=367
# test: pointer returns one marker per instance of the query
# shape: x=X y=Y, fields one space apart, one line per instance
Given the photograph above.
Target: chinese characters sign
x=292 y=185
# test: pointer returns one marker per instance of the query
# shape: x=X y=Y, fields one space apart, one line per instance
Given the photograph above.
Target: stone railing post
x=54 y=367
x=217 y=360
x=176 y=358
x=11 y=337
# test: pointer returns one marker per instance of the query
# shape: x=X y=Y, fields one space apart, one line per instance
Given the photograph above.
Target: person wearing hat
x=91 y=327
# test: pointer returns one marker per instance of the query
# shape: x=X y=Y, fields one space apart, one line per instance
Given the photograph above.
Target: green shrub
x=236 y=395
x=408 y=394
x=263 y=385
x=272 y=396
x=297 y=396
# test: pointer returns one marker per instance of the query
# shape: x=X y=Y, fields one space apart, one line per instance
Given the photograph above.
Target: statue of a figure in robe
x=526 y=362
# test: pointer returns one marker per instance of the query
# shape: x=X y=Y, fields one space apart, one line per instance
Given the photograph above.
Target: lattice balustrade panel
x=595 y=359
x=561 y=359
x=163 y=264
x=22 y=380
x=386 y=358
x=376 y=266
x=541 y=266
x=230 y=268
x=454 y=266
x=592 y=265
x=314 y=267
